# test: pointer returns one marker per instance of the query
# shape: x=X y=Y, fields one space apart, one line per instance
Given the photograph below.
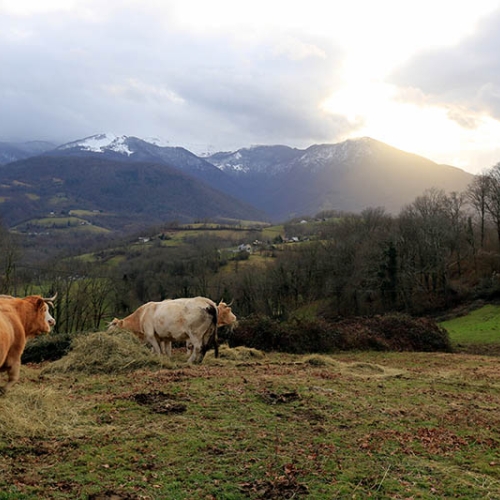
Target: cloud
x=464 y=78
x=134 y=71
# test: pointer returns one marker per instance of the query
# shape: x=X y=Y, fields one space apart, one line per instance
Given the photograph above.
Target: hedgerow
x=391 y=332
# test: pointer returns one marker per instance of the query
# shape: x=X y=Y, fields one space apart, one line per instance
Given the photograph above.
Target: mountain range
x=137 y=182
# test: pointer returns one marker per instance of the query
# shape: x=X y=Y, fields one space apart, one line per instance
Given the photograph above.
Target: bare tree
x=458 y=226
x=493 y=197
x=9 y=254
x=477 y=195
x=424 y=242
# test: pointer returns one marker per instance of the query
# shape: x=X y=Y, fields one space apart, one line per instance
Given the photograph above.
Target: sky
x=219 y=75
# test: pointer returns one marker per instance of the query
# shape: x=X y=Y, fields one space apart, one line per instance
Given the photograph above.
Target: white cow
x=191 y=319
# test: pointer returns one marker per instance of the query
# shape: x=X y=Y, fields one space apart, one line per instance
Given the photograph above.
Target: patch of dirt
x=273 y=398
x=491 y=349
x=111 y=495
x=281 y=487
x=159 y=402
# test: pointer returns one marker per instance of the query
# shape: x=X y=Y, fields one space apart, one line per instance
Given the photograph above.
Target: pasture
x=253 y=425
x=479 y=326
x=478 y=331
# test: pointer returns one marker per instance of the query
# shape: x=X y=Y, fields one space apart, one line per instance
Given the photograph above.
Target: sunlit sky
x=225 y=74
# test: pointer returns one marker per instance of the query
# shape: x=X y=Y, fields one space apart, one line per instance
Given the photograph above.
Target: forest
x=441 y=250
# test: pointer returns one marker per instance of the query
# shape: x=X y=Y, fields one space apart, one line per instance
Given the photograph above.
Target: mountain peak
x=100 y=143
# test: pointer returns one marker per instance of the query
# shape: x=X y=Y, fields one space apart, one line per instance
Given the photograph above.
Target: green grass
x=352 y=425
x=270 y=233
x=481 y=326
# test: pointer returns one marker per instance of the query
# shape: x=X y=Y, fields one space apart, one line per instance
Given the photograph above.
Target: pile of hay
x=236 y=354
x=369 y=370
x=356 y=369
x=106 y=353
x=42 y=411
x=319 y=360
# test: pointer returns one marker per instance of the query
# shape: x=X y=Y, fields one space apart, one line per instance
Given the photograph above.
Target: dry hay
x=101 y=353
x=369 y=370
x=28 y=411
x=319 y=360
x=239 y=353
x=356 y=369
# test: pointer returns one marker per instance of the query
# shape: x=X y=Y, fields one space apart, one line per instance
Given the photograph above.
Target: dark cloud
x=465 y=77
x=133 y=72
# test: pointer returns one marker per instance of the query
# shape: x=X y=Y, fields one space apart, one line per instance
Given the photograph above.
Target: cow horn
x=50 y=300
x=230 y=303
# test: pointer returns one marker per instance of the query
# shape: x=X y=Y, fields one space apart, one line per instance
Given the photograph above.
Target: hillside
x=348 y=176
x=121 y=194
x=131 y=182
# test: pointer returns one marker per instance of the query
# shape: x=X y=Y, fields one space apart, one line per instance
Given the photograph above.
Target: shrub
x=396 y=332
x=258 y=332
x=302 y=336
x=48 y=347
x=298 y=336
x=392 y=332
x=405 y=333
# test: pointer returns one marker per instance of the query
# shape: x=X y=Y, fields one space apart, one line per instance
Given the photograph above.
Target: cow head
x=115 y=324
x=225 y=316
x=42 y=320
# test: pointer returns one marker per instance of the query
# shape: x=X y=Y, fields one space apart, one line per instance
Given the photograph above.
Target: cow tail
x=214 y=312
x=216 y=336
x=216 y=343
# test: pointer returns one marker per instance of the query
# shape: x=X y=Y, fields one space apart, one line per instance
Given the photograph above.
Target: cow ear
x=39 y=303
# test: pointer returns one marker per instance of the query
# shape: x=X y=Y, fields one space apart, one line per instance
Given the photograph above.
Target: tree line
x=440 y=250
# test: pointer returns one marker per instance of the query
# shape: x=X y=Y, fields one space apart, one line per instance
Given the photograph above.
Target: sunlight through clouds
x=420 y=76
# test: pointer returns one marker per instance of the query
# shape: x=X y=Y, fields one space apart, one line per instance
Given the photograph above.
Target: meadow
x=129 y=425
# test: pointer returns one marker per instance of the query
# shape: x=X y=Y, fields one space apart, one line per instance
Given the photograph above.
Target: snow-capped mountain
x=267 y=160
x=279 y=180
x=100 y=143
x=276 y=160
x=350 y=176
x=128 y=148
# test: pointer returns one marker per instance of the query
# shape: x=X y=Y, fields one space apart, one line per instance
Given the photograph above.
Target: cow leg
x=165 y=345
x=13 y=376
x=151 y=338
x=168 y=348
x=197 y=353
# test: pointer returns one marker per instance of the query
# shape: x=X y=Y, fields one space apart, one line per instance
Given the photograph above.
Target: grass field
x=477 y=327
x=352 y=425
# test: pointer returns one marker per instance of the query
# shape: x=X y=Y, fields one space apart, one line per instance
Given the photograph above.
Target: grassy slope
x=481 y=326
x=378 y=425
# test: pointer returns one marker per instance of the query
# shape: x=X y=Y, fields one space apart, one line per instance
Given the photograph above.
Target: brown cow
x=19 y=320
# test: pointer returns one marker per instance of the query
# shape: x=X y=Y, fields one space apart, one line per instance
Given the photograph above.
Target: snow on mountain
x=350 y=150
x=100 y=143
x=269 y=160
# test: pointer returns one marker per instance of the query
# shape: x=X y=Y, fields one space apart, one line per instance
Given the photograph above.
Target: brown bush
x=392 y=332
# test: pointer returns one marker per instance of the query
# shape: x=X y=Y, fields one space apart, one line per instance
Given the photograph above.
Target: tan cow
x=225 y=317
x=189 y=319
x=19 y=320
